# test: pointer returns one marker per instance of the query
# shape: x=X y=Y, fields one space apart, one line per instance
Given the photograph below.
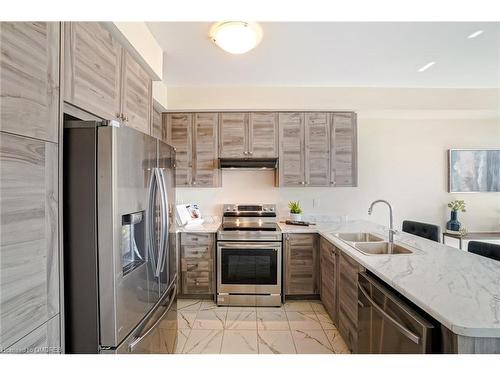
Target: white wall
x=139 y=41
x=403 y=135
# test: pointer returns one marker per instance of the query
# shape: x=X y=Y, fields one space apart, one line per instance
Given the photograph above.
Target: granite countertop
x=459 y=289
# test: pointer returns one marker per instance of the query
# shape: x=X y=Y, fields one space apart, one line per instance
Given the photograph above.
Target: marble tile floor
x=297 y=327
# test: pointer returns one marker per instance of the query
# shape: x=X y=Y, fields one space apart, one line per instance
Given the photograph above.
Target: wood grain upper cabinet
x=291 y=149
x=328 y=271
x=348 y=300
x=136 y=94
x=180 y=135
x=156 y=124
x=344 y=149
x=194 y=135
x=233 y=135
x=92 y=69
x=317 y=149
x=301 y=264
x=263 y=135
x=205 y=162
x=29 y=76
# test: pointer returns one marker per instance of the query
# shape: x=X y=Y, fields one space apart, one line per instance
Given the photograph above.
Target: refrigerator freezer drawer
x=157 y=333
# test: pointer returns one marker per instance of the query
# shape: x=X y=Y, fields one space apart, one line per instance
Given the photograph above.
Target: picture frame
x=474 y=170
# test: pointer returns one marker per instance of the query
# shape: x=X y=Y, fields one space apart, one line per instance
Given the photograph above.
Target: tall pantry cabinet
x=29 y=194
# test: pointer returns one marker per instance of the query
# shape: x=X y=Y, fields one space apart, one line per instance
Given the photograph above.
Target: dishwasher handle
x=405 y=331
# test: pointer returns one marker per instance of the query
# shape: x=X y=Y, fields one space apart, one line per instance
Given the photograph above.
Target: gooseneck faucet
x=391 y=221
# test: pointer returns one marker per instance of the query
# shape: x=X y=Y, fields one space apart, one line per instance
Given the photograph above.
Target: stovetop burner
x=249 y=222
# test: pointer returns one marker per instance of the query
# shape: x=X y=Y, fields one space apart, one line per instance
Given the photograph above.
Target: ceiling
x=339 y=54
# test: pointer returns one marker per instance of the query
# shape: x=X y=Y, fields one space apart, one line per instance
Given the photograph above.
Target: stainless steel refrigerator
x=119 y=240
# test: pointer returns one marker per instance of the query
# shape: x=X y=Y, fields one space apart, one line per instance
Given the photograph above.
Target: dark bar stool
x=484 y=249
x=429 y=231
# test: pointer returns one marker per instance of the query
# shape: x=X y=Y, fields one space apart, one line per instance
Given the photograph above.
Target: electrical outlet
x=315 y=202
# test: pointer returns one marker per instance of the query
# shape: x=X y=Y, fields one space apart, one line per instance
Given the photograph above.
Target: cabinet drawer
x=197 y=282
x=197 y=239
x=196 y=252
x=195 y=265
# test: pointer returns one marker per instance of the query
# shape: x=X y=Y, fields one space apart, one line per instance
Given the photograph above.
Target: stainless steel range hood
x=249 y=163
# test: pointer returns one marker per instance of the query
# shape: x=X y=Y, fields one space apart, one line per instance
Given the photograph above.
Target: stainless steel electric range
x=249 y=256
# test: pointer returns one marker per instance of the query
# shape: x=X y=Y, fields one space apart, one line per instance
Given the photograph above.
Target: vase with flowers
x=456 y=206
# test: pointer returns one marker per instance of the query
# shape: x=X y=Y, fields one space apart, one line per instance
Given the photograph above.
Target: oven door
x=249 y=267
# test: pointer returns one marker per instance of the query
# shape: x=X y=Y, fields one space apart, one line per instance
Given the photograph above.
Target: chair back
x=429 y=231
x=488 y=250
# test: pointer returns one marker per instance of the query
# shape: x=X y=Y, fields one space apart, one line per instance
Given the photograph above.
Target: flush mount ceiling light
x=236 y=37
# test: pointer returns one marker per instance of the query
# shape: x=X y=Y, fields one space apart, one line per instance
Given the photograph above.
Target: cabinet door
x=291 y=150
x=92 y=73
x=180 y=136
x=317 y=146
x=233 y=135
x=263 y=135
x=29 y=76
x=328 y=278
x=43 y=340
x=205 y=162
x=301 y=264
x=29 y=262
x=344 y=150
x=348 y=300
x=156 y=124
x=136 y=94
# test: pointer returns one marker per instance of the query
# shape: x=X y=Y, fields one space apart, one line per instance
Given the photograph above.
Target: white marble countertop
x=459 y=289
x=210 y=225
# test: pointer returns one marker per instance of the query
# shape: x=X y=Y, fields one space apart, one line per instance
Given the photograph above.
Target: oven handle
x=241 y=245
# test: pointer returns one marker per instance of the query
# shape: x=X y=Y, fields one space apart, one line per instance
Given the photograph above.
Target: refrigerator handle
x=134 y=343
x=150 y=222
x=167 y=223
x=163 y=220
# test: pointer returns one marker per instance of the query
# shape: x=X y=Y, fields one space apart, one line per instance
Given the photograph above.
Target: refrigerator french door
x=119 y=245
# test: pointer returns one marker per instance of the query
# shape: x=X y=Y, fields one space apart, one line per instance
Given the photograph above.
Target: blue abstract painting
x=474 y=171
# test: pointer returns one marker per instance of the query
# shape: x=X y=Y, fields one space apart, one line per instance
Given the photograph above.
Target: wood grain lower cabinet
x=301 y=264
x=348 y=300
x=136 y=94
x=344 y=149
x=29 y=260
x=329 y=277
x=92 y=69
x=29 y=79
x=197 y=252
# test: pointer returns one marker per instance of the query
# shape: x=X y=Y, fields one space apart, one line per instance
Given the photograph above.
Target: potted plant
x=295 y=211
x=457 y=205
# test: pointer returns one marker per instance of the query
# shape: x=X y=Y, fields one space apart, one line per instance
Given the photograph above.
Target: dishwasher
x=387 y=324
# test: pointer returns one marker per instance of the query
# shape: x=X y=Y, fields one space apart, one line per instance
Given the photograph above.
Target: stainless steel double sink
x=371 y=244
